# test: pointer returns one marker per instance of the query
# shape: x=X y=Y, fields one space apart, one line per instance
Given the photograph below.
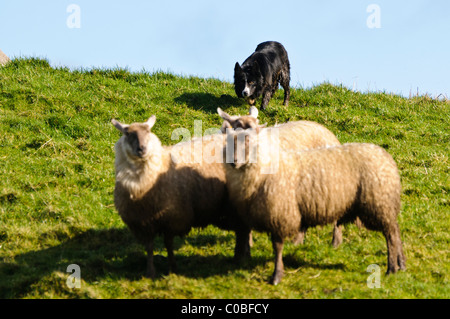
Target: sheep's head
x=241 y=147
x=140 y=142
x=249 y=121
x=242 y=133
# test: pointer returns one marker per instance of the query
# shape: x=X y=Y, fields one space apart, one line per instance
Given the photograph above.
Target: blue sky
x=325 y=40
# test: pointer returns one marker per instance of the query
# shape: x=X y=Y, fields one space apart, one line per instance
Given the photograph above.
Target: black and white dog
x=261 y=73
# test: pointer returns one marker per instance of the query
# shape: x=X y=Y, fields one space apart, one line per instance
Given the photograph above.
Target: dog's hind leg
x=284 y=81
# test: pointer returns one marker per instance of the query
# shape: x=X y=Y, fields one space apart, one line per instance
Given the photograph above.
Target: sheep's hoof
x=337 y=237
x=276 y=278
x=336 y=242
x=390 y=271
x=358 y=223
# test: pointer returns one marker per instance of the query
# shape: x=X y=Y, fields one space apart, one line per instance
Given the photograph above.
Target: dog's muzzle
x=246 y=92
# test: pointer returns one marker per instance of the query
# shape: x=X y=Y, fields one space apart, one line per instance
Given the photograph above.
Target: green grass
x=57 y=182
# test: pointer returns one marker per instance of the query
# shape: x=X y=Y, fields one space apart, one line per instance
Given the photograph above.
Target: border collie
x=261 y=73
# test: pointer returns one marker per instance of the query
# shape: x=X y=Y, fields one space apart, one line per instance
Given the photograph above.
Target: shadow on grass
x=292 y=261
x=114 y=253
x=111 y=253
x=208 y=102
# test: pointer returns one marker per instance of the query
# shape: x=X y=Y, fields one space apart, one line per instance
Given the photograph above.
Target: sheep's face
x=240 y=149
x=245 y=122
x=249 y=121
x=138 y=137
x=139 y=140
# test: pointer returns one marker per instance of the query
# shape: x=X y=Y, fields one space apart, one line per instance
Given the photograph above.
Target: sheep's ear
x=259 y=127
x=151 y=121
x=225 y=125
x=253 y=112
x=262 y=126
x=224 y=115
x=121 y=127
x=220 y=112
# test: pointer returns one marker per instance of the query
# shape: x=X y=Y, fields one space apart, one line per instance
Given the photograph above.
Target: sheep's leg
x=150 y=266
x=250 y=239
x=358 y=223
x=392 y=256
x=242 y=248
x=337 y=235
x=300 y=236
x=401 y=260
x=400 y=255
x=168 y=242
x=277 y=243
x=395 y=253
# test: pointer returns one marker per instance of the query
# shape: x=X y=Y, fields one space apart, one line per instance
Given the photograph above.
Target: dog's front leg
x=265 y=99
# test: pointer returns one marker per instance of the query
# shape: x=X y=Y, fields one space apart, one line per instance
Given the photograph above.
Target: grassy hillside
x=57 y=181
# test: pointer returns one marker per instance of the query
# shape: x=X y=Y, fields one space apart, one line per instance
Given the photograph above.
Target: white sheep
x=156 y=194
x=317 y=187
x=294 y=136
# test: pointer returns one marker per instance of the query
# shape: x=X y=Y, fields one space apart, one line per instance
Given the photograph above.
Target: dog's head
x=248 y=81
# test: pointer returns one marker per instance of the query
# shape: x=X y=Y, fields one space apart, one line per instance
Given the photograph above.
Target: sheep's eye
x=131 y=137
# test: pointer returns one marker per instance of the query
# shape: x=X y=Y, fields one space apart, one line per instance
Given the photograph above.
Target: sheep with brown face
x=293 y=136
x=156 y=193
x=314 y=187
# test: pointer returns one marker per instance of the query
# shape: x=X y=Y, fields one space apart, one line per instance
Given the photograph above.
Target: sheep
x=316 y=187
x=298 y=135
x=157 y=194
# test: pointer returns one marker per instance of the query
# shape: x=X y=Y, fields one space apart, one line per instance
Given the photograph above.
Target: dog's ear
x=255 y=68
x=237 y=68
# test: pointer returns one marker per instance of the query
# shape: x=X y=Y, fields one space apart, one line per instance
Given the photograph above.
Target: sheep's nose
x=141 y=150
